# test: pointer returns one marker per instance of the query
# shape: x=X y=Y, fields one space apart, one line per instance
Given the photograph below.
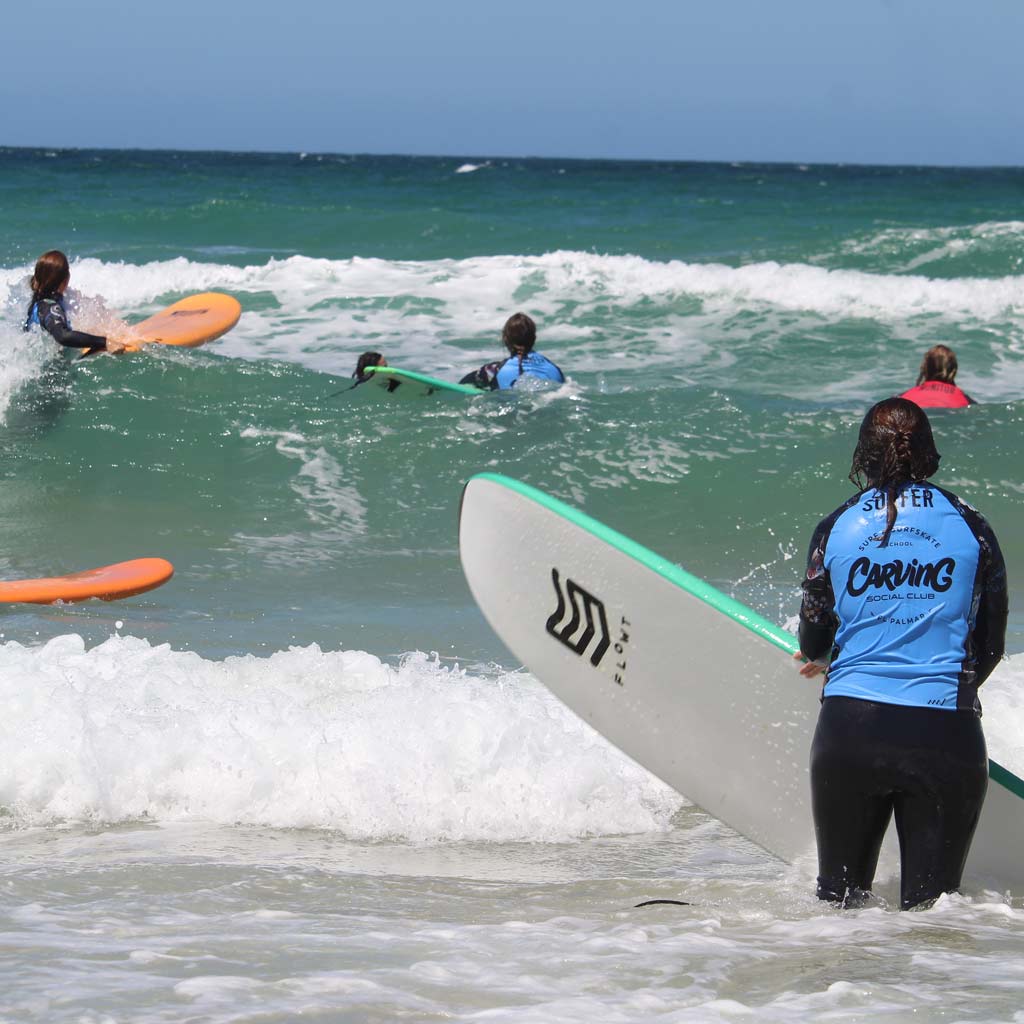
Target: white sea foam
x=307 y=739
x=596 y=314
x=25 y=354
x=1002 y=698
x=224 y=923
x=336 y=740
x=345 y=305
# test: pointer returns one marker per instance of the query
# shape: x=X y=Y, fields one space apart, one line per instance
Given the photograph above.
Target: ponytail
x=895 y=447
x=519 y=335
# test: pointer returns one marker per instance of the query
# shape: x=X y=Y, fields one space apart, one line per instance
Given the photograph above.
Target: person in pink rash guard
x=935 y=388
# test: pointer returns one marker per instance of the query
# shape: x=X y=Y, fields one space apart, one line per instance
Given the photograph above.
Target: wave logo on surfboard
x=587 y=611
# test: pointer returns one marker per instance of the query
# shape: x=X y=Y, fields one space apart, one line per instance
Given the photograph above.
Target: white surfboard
x=690 y=683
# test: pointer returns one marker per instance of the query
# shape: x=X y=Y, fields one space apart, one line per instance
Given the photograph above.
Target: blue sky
x=877 y=81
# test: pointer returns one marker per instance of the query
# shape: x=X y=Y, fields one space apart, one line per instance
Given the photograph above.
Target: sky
x=871 y=81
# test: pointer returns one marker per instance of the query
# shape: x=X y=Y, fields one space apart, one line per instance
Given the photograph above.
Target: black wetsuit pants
x=870 y=761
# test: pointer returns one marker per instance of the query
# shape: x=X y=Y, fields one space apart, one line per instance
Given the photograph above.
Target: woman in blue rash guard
x=519 y=336
x=49 y=282
x=904 y=605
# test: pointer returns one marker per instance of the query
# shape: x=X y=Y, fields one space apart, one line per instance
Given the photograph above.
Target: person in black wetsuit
x=365 y=361
x=49 y=282
x=904 y=606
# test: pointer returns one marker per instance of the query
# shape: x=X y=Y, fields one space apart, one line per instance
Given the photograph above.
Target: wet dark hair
x=52 y=271
x=895 y=447
x=519 y=335
x=939 y=363
x=365 y=360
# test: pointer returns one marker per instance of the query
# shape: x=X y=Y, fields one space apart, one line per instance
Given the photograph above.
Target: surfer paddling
x=904 y=606
x=936 y=387
x=49 y=283
x=519 y=335
x=364 y=363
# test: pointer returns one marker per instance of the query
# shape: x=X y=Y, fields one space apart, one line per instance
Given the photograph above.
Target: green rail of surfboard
x=435 y=384
x=694 y=585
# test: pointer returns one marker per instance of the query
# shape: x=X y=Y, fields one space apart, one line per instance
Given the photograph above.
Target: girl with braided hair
x=518 y=336
x=904 y=606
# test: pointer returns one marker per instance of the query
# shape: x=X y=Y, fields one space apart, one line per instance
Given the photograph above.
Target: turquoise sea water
x=314 y=705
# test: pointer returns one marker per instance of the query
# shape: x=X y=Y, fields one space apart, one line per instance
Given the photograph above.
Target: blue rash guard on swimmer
x=917 y=623
x=532 y=364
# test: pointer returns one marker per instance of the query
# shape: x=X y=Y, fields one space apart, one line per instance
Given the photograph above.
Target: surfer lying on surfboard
x=365 y=361
x=935 y=388
x=905 y=601
x=519 y=336
x=49 y=283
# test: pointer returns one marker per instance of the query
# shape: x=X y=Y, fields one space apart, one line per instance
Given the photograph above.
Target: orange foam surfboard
x=191 y=321
x=109 y=582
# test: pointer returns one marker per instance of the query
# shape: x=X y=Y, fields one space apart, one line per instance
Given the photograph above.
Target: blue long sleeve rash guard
x=920 y=622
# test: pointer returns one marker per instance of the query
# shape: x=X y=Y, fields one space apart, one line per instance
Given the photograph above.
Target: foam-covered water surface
x=215 y=925
x=306 y=739
x=318 y=831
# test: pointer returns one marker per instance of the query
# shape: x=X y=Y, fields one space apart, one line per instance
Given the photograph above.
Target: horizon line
x=305 y=154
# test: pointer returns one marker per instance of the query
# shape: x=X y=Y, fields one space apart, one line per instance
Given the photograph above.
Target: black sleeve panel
x=993 y=601
x=55 y=323
x=818 y=619
x=486 y=378
x=987 y=640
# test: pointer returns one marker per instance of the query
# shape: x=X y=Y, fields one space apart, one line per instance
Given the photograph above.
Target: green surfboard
x=410 y=384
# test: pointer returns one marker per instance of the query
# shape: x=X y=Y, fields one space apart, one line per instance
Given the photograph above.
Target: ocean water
x=303 y=780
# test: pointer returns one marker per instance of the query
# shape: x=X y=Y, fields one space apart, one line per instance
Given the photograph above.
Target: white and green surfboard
x=693 y=685
x=409 y=384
